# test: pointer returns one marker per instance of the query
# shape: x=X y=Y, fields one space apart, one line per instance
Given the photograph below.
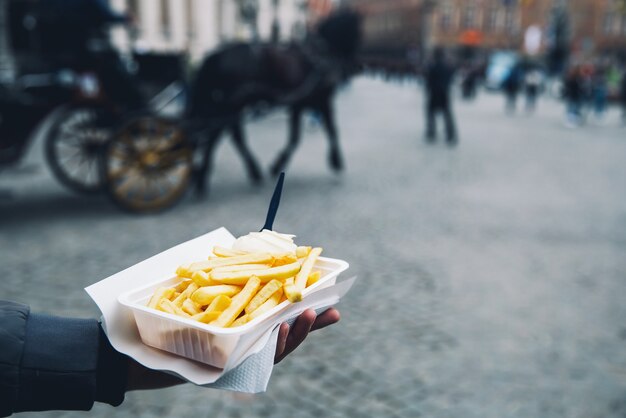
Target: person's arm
x=53 y=363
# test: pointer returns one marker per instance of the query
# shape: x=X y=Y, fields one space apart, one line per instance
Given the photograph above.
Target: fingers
x=301 y=329
x=326 y=318
x=290 y=338
x=282 y=341
x=296 y=334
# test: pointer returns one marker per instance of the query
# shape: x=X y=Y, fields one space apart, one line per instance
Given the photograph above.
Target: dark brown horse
x=297 y=76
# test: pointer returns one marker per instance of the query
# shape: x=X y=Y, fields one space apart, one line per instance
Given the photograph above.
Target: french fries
x=239 y=303
x=226 y=252
x=265 y=275
x=263 y=295
x=232 y=288
x=241 y=267
x=209 y=265
x=291 y=292
x=302 y=252
x=269 y=304
x=206 y=317
x=161 y=293
x=185 y=294
x=206 y=294
x=306 y=269
x=313 y=278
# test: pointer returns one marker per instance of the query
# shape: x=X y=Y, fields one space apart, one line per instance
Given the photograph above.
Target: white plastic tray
x=206 y=343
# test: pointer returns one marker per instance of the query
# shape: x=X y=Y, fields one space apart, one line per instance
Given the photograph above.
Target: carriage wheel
x=147 y=165
x=72 y=148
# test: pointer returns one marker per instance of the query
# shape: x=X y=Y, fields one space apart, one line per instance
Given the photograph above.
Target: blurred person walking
x=512 y=86
x=438 y=80
x=469 y=82
x=573 y=92
x=599 y=92
x=532 y=83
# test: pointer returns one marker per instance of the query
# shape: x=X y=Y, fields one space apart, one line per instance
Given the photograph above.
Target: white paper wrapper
x=250 y=364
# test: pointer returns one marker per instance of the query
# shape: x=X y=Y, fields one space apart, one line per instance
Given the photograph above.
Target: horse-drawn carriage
x=107 y=135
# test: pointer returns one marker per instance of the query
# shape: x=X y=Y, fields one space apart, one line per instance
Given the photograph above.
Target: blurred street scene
x=489 y=254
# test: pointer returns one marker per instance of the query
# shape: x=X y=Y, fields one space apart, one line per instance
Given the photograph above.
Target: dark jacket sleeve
x=52 y=363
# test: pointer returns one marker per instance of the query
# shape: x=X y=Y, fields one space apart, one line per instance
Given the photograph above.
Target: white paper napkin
x=247 y=371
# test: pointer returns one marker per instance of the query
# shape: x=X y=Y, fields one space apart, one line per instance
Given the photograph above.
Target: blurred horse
x=254 y=76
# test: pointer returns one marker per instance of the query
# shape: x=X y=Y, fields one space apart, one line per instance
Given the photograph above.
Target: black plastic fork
x=271 y=212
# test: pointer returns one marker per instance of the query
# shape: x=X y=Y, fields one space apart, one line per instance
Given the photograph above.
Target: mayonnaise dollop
x=265 y=241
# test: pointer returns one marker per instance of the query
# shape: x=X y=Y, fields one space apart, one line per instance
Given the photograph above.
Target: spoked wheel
x=147 y=165
x=73 y=146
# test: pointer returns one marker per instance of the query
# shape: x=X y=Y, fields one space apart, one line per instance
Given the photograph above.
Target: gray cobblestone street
x=492 y=276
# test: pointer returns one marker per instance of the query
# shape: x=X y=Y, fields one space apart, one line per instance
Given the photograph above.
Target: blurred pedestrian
x=512 y=85
x=53 y=363
x=622 y=96
x=573 y=92
x=438 y=81
x=599 y=92
x=469 y=81
x=532 y=84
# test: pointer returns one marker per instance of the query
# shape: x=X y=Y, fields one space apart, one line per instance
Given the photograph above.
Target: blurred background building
x=403 y=31
x=174 y=26
x=399 y=32
x=201 y=25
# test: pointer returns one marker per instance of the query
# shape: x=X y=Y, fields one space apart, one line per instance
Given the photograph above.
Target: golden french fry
x=226 y=252
x=242 y=320
x=238 y=303
x=291 y=291
x=302 y=252
x=264 y=294
x=185 y=294
x=183 y=271
x=191 y=307
x=307 y=267
x=207 y=317
x=183 y=285
x=169 y=307
x=241 y=277
x=282 y=259
x=313 y=278
x=202 y=279
x=160 y=293
x=165 y=307
x=242 y=267
x=219 y=304
x=174 y=296
x=206 y=294
x=257 y=258
x=267 y=305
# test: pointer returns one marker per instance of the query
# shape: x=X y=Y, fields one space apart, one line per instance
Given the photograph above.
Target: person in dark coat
x=512 y=86
x=438 y=80
x=573 y=93
x=52 y=363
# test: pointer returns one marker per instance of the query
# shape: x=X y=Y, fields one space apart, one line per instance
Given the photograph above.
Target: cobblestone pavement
x=492 y=276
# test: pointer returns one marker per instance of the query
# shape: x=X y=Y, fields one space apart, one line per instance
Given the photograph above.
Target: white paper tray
x=204 y=343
